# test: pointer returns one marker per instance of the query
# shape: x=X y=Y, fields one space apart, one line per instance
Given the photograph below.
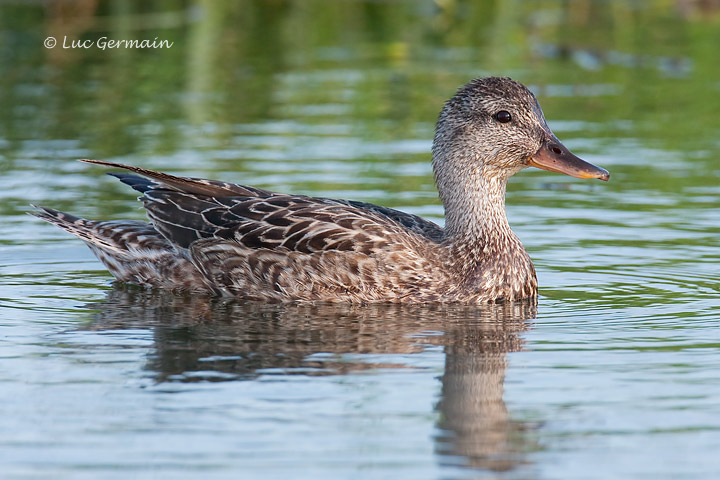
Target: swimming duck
x=225 y=239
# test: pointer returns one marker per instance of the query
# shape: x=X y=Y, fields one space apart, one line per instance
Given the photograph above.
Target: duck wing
x=153 y=180
x=258 y=244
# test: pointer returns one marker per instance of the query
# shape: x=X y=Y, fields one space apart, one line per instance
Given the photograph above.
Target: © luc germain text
x=104 y=43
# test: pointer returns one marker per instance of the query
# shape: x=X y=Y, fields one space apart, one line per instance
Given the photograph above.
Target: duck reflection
x=197 y=339
x=475 y=427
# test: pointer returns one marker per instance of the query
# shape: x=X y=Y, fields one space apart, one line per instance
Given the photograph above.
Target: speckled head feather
x=468 y=122
x=226 y=239
x=490 y=130
x=474 y=154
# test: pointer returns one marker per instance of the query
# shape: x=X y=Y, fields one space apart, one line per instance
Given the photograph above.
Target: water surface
x=612 y=374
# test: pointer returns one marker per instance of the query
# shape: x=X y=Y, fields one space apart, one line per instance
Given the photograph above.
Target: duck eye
x=503 y=116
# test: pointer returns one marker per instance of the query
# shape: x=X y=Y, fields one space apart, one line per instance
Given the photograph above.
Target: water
x=613 y=374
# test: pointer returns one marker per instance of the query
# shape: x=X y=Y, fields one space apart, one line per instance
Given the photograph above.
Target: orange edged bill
x=555 y=157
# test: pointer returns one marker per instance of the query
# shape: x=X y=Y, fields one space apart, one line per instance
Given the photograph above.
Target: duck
x=223 y=239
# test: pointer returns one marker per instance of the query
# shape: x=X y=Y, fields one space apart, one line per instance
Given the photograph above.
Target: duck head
x=494 y=127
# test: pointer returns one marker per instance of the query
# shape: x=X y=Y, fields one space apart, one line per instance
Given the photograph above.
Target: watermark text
x=105 y=43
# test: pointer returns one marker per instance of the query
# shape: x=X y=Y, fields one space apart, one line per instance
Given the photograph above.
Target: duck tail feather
x=56 y=217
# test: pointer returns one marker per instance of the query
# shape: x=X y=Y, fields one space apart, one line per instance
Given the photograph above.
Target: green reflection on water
x=389 y=64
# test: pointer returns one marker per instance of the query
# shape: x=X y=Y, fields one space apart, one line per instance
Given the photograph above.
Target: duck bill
x=555 y=157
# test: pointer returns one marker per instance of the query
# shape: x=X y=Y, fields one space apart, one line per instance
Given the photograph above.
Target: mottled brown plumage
x=240 y=241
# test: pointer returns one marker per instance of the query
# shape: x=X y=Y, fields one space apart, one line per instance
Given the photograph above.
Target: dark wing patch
x=196 y=186
x=141 y=184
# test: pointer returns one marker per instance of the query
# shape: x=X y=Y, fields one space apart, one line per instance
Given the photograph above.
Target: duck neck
x=475 y=219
